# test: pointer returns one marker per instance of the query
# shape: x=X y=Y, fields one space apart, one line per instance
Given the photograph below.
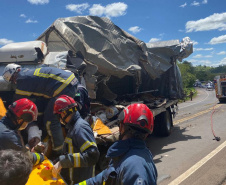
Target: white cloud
x=78 y=8
x=135 y=29
x=208 y=56
x=116 y=9
x=201 y=56
x=23 y=15
x=223 y=61
x=216 y=21
x=203 y=49
x=97 y=10
x=111 y=10
x=31 y=21
x=195 y=42
x=218 y=40
x=222 y=53
x=5 y=41
x=201 y=62
x=183 y=5
x=38 y=2
x=204 y=2
x=181 y=30
x=198 y=56
x=195 y=3
x=154 y=39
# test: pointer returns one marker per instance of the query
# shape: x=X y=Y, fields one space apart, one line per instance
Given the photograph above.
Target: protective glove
x=33 y=142
x=56 y=169
x=39 y=148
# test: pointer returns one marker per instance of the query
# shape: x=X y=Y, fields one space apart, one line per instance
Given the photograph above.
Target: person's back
x=133 y=162
x=46 y=81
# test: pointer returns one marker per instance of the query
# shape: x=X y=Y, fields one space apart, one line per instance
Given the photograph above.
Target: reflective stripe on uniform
x=82 y=183
x=65 y=82
x=76 y=157
x=37 y=158
x=86 y=145
x=70 y=146
x=27 y=93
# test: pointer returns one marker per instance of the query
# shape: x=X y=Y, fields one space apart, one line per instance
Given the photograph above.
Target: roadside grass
x=187 y=94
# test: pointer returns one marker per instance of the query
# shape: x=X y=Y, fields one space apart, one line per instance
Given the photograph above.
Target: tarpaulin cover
x=124 y=63
x=112 y=49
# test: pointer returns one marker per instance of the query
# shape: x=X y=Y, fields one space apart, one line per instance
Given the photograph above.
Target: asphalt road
x=191 y=155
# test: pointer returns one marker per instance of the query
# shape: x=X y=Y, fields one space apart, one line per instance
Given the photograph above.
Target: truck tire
x=163 y=124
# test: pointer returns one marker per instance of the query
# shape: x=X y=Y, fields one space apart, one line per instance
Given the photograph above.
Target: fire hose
x=215 y=137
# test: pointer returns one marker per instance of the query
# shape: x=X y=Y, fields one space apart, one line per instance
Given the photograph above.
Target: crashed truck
x=116 y=68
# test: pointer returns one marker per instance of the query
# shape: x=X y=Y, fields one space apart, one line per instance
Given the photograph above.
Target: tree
x=187 y=74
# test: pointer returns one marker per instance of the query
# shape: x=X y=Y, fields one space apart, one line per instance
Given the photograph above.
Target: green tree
x=187 y=73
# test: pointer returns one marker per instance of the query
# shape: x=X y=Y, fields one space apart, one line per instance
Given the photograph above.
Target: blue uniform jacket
x=81 y=152
x=10 y=139
x=47 y=82
x=131 y=164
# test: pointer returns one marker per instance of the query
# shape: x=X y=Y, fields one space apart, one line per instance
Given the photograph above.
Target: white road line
x=196 y=102
x=190 y=171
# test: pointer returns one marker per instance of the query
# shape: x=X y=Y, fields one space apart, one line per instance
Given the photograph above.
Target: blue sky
x=204 y=21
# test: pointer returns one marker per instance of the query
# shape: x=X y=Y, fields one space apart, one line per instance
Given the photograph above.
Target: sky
x=204 y=21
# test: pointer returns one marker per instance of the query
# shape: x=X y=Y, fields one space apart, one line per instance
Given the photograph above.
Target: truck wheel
x=163 y=124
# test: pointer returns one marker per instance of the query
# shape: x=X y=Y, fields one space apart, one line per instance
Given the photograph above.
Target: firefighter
x=131 y=161
x=191 y=95
x=20 y=113
x=43 y=84
x=80 y=152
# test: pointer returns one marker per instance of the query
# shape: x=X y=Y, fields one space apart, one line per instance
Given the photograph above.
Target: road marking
x=194 y=168
x=195 y=115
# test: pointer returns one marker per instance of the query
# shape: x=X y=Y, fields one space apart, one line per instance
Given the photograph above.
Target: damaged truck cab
x=116 y=68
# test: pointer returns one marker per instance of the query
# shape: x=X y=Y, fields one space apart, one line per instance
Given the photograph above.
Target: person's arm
x=97 y=180
x=107 y=176
x=89 y=153
x=13 y=141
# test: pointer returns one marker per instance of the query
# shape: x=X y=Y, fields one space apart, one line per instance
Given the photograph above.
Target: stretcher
x=42 y=175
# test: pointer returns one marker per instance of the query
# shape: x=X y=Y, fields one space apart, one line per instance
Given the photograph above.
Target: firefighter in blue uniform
x=18 y=116
x=44 y=85
x=80 y=152
x=131 y=161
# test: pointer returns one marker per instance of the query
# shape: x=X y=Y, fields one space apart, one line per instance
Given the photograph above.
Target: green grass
x=187 y=92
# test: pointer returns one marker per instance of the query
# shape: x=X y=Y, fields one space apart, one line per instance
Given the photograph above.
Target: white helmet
x=9 y=70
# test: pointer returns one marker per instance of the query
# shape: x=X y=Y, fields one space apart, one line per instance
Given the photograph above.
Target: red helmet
x=24 y=109
x=63 y=103
x=138 y=115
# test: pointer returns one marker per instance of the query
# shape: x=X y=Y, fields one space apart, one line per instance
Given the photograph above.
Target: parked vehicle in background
x=220 y=87
x=209 y=86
